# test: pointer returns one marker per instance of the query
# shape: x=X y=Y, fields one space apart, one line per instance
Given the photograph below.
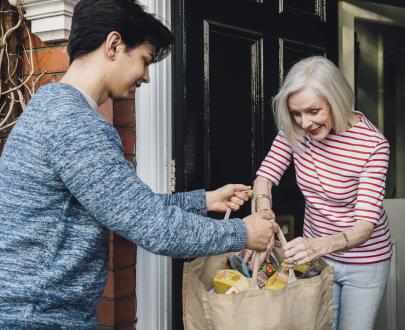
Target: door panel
x=292 y=51
x=227 y=139
x=314 y=8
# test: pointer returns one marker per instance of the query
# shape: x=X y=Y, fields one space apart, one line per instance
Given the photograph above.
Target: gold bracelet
x=260 y=196
x=346 y=240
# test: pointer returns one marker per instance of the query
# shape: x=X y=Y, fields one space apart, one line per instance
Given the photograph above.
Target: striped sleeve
x=372 y=185
x=277 y=160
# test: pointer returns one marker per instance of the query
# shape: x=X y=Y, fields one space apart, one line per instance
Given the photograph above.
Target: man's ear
x=113 y=45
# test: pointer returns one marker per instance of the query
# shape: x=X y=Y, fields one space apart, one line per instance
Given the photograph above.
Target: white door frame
x=153 y=155
x=348 y=11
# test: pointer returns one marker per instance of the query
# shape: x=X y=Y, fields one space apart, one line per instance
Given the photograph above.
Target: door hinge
x=173 y=176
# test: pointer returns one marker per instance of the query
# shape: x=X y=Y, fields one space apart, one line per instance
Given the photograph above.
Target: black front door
x=230 y=56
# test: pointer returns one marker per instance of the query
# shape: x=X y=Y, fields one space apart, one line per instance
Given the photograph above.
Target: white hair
x=327 y=81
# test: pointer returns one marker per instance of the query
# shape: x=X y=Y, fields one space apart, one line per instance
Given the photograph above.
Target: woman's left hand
x=301 y=250
x=230 y=196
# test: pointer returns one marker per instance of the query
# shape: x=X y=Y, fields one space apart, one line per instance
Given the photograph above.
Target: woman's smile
x=315 y=131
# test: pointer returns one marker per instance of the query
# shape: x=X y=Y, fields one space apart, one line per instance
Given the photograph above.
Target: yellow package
x=227 y=278
x=302 y=268
x=275 y=282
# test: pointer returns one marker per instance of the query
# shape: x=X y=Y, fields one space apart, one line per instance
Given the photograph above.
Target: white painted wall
x=391 y=315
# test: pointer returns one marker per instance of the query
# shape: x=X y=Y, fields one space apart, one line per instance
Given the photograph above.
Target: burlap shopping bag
x=304 y=304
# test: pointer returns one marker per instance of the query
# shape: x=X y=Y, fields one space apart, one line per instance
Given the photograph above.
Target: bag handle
x=257 y=255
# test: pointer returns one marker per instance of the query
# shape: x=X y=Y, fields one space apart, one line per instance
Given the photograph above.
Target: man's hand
x=260 y=229
x=230 y=196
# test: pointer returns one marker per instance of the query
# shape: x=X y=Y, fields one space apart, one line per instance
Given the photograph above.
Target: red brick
x=124 y=113
x=122 y=253
x=129 y=327
x=116 y=312
x=106 y=312
x=109 y=286
x=125 y=311
x=116 y=237
x=2 y=142
x=125 y=282
x=113 y=236
x=36 y=42
x=45 y=79
x=11 y=62
x=128 y=139
x=120 y=283
x=101 y=327
x=106 y=109
x=131 y=158
x=50 y=60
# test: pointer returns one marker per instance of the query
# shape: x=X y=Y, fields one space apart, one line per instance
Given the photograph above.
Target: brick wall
x=9 y=65
x=116 y=309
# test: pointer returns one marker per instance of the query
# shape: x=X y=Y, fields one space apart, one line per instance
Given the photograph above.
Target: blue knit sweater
x=64 y=182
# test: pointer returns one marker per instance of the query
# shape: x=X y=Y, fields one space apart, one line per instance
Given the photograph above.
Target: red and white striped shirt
x=343 y=180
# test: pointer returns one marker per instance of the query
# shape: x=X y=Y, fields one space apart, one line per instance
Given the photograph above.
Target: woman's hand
x=301 y=250
x=231 y=196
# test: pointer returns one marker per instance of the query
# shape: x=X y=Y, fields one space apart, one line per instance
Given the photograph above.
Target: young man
x=64 y=181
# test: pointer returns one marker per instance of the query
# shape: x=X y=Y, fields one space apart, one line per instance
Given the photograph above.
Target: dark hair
x=93 y=20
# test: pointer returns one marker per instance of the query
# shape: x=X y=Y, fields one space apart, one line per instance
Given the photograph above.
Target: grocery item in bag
x=276 y=282
x=227 y=278
x=314 y=270
x=236 y=262
x=267 y=269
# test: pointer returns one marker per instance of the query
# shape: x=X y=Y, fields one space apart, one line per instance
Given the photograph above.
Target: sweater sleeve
x=371 y=187
x=86 y=152
x=193 y=201
x=277 y=160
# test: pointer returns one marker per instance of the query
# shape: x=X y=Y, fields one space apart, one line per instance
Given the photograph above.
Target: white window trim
x=50 y=19
x=153 y=155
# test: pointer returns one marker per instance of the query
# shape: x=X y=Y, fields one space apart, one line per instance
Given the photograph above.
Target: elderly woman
x=341 y=160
